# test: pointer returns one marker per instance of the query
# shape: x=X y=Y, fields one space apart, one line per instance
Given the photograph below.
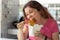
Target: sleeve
x=55 y=27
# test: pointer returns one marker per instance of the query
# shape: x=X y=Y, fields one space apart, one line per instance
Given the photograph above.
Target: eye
x=30 y=11
x=26 y=14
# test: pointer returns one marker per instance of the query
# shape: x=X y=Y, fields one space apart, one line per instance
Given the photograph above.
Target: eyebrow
x=30 y=11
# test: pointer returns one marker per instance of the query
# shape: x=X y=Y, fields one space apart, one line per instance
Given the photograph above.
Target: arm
x=55 y=32
x=20 y=35
x=25 y=32
x=55 y=36
x=22 y=31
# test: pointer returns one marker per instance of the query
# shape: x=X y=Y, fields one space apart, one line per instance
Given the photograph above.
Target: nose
x=30 y=17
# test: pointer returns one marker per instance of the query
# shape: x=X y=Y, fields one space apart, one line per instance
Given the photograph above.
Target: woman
x=34 y=10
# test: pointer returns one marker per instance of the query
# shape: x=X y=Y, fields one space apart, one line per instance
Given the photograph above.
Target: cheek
x=30 y=17
x=35 y=15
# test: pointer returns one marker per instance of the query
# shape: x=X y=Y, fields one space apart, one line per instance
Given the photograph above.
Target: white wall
x=48 y=1
x=23 y=1
x=0 y=16
x=8 y=18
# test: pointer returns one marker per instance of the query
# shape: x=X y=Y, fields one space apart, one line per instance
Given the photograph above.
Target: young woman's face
x=32 y=13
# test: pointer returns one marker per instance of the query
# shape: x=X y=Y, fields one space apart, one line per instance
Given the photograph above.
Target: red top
x=50 y=27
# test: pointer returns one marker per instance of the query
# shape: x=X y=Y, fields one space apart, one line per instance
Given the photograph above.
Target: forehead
x=28 y=9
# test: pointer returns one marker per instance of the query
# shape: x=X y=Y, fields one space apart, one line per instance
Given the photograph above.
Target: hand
x=20 y=25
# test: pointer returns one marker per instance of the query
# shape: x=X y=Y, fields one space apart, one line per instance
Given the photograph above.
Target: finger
x=20 y=24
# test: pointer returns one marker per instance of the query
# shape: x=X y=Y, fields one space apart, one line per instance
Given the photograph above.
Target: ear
x=41 y=13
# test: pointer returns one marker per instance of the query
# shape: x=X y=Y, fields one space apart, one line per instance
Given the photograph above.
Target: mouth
x=27 y=20
x=35 y=20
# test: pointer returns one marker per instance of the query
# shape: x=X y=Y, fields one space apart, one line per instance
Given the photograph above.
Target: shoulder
x=53 y=26
x=52 y=22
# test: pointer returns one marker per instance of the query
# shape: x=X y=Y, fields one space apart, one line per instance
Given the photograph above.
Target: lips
x=31 y=22
x=35 y=20
x=30 y=19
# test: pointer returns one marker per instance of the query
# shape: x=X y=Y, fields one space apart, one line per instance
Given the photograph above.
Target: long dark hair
x=34 y=4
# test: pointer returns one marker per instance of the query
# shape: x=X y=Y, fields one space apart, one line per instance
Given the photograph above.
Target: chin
x=38 y=22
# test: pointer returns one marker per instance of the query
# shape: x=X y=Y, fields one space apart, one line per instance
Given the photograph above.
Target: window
x=21 y=5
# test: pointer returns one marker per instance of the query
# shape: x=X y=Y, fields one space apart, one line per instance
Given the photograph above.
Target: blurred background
x=11 y=14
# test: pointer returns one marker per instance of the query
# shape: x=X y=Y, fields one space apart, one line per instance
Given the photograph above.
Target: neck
x=44 y=21
x=41 y=21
